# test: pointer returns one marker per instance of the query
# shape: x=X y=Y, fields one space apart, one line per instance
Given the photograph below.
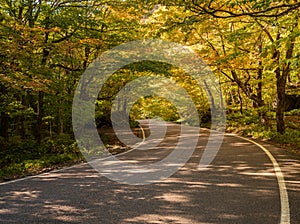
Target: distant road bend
x=248 y=182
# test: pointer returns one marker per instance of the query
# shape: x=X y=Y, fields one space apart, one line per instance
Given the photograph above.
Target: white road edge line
x=284 y=199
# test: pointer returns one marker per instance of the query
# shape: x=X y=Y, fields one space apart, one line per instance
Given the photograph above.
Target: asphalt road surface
x=240 y=186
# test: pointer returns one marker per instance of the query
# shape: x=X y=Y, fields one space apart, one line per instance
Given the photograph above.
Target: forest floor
x=111 y=141
x=289 y=141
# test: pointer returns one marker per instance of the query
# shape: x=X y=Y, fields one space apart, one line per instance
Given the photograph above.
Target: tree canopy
x=45 y=46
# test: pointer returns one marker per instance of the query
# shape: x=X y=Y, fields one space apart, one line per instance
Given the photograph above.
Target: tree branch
x=224 y=13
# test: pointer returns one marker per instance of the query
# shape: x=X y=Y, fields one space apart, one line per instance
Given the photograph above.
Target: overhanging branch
x=273 y=11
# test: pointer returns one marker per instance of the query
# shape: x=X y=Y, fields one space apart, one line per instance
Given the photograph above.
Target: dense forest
x=252 y=47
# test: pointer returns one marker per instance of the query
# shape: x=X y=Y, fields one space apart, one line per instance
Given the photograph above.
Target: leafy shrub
x=293 y=112
x=290 y=136
x=22 y=157
x=62 y=143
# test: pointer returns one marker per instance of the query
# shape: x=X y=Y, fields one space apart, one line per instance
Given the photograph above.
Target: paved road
x=240 y=186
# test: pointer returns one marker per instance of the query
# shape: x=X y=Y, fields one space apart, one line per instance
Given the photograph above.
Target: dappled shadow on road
x=239 y=187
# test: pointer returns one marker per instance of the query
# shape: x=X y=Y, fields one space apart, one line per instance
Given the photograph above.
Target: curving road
x=240 y=186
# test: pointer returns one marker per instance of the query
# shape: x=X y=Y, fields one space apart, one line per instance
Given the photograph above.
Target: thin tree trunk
x=22 y=120
x=4 y=126
x=60 y=123
x=40 y=114
x=240 y=101
x=211 y=98
x=4 y=117
x=260 y=101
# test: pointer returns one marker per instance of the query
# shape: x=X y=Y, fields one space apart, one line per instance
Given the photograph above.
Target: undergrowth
x=19 y=158
x=250 y=125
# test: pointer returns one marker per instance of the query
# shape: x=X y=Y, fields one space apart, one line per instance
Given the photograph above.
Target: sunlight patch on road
x=174 y=198
x=160 y=219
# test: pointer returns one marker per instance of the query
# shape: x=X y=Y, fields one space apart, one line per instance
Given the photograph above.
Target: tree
x=279 y=21
x=45 y=47
x=248 y=40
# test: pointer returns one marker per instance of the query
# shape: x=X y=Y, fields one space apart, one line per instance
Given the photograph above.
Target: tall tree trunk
x=3 y=117
x=40 y=106
x=4 y=131
x=280 y=91
x=23 y=118
x=40 y=114
x=4 y=126
x=260 y=101
x=211 y=97
x=280 y=83
x=60 y=122
x=281 y=78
